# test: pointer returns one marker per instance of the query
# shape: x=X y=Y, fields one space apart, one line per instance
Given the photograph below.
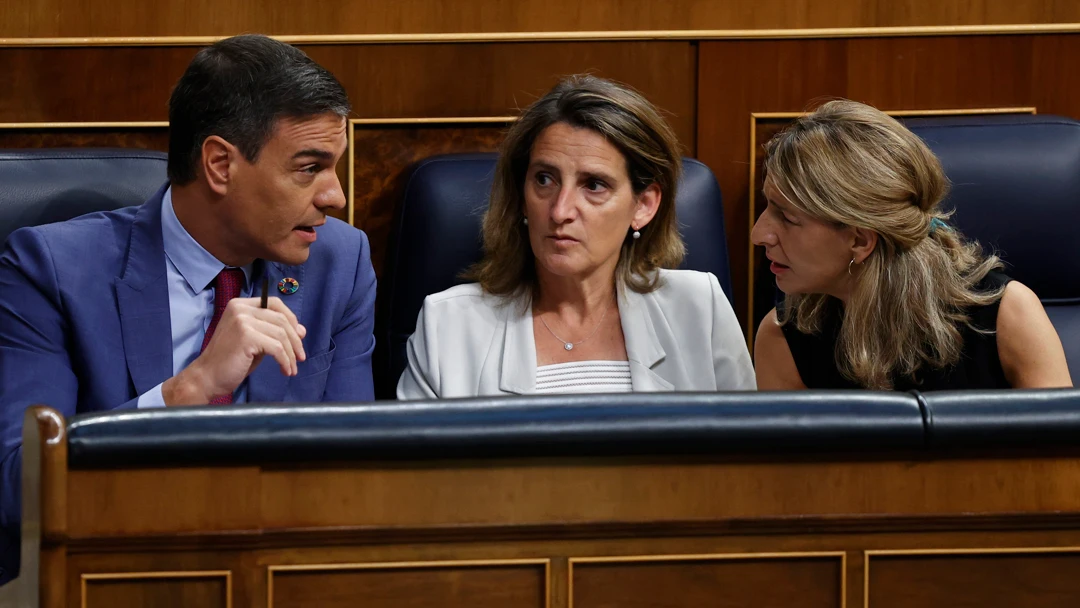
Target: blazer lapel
x=142 y=296
x=267 y=384
x=642 y=344
x=518 y=371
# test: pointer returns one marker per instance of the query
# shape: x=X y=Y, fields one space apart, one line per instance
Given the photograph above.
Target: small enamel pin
x=288 y=286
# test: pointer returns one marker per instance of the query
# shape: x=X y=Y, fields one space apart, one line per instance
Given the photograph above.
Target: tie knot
x=227 y=285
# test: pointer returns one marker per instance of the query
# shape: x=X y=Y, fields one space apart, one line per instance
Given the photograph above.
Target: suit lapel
x=642 y=344
x=518 y=370
x=267 y=384
x=142 y=296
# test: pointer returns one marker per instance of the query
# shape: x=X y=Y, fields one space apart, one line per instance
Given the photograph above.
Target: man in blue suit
x=160 y=305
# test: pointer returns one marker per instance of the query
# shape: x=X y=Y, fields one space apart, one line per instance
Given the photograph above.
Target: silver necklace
x=570 y=345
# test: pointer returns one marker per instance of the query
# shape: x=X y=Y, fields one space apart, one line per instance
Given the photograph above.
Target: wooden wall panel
x=738 y=78
x=417 y=586
x=383 y=81
x=382 y=158
x=112 y=136
x=973 y=580
x=793 y=582
x=51 y=18
x=89 y=84
x=178 y=590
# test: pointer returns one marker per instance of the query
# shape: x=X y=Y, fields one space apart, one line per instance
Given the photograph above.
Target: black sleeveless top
x=979 y=366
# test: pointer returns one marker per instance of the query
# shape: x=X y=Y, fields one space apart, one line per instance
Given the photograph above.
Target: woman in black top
x=880 y=292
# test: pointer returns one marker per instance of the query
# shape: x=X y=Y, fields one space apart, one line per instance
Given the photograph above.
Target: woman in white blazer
x=573 y=294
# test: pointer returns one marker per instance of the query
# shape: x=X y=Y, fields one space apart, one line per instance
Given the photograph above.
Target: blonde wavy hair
x=629 y=122
x=850 y=164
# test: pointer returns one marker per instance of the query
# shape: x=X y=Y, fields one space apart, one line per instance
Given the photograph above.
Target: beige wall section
x=131 y=18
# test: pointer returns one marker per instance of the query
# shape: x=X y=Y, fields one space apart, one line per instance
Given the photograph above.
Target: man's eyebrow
x=314 y=152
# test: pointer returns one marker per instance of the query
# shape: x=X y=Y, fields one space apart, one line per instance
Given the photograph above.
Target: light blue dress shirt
x=191 y=273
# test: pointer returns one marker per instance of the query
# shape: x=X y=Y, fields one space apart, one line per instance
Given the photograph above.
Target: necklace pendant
x=568 y=346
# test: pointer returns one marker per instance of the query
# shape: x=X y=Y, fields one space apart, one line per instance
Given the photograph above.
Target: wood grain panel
x=962 y=580
x=499 y=494
x=738 y=78
x=382 y=159
x=197 y=499
x=153 y=566
x=428 y=81
x=159 y=591
x=417 y=586
x=48 y=18
x=383 y=81
x=145 y=138
x=89 y=84
x=796 y=582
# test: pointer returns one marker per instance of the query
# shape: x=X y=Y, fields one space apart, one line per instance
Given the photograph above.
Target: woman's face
x=579 y=202
x=808 y=255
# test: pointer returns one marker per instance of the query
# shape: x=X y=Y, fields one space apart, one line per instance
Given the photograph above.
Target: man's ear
x=863 y=245
x=218 y=163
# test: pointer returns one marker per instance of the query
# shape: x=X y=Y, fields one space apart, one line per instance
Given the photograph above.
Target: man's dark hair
x=237 y=89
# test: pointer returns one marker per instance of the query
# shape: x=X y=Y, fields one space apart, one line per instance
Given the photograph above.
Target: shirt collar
x=198 y=266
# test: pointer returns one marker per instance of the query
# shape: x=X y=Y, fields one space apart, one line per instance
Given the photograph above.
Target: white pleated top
x=584 y=377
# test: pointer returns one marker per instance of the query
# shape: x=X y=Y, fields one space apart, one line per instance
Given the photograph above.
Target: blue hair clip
x=936 y=223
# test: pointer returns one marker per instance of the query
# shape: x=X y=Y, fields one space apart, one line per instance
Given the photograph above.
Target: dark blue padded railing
x=596 y=425
x=1003 y=419
x=749 y=424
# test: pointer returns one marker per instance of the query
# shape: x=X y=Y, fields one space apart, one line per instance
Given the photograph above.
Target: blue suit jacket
x=85 y=327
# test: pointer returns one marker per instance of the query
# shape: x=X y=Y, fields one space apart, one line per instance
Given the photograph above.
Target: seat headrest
x=47 y=185
x=1016 y=189
x=436 y=237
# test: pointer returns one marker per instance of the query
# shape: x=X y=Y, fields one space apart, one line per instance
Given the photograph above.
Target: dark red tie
x=227 y=285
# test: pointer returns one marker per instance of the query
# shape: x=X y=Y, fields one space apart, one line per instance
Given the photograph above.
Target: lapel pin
x=288 y=286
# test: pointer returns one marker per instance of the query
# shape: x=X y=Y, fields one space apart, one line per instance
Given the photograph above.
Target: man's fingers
x=272 y=339
x=277 y=305
x=279 y=319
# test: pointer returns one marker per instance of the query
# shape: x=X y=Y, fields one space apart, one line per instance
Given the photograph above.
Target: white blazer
x=681 y=337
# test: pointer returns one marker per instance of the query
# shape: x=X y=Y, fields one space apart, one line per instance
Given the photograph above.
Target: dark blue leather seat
x=436 y=236
x=1016 y=189
x=40 y=186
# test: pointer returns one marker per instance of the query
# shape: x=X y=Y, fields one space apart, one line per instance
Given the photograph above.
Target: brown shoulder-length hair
x=852 y=165
x=629 y=122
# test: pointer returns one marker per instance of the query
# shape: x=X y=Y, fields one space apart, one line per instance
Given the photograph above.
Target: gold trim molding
x=136 y=576
x=356 y=123
x=84 y=125
x=707 y=557
x=582 y=36
x=867 y=555
x=756 y=116
x=433 y=565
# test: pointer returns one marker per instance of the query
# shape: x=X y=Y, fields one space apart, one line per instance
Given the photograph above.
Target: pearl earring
x=637 y=235
x=526 y=221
